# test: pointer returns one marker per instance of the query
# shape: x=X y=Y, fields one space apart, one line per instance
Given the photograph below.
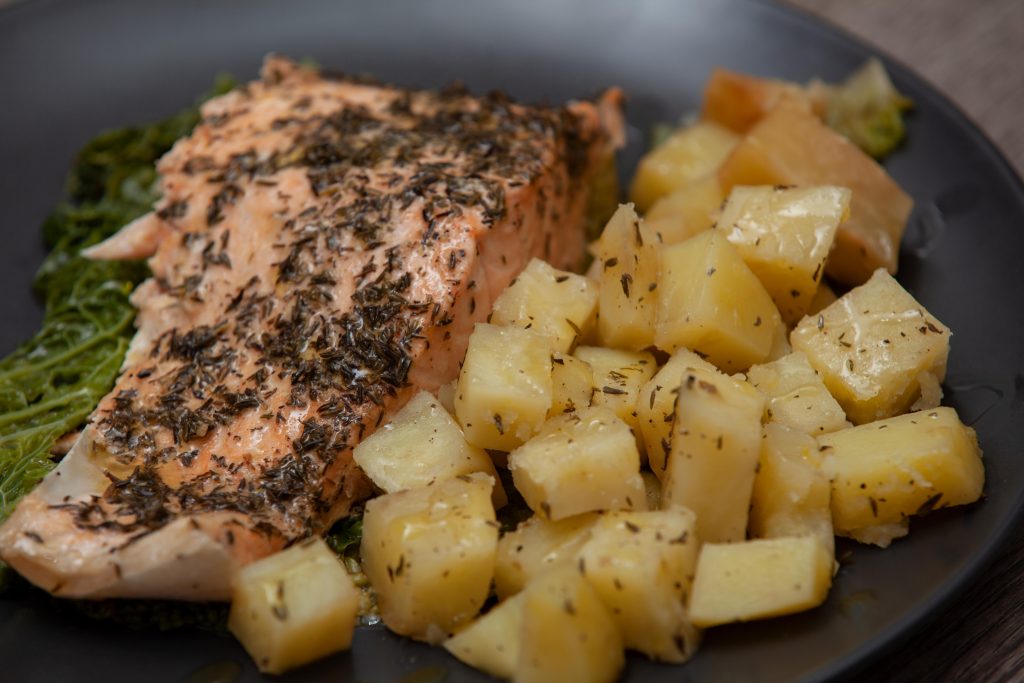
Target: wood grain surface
x=973 y=51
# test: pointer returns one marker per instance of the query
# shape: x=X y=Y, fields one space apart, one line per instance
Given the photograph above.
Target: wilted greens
x=868 y=110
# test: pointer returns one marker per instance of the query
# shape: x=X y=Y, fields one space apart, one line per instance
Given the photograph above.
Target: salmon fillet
x=321 y=252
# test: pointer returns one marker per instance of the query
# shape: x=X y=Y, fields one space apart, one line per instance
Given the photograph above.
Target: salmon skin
x=322 y=250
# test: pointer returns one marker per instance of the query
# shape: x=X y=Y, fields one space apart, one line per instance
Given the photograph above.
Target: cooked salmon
x=322 y=250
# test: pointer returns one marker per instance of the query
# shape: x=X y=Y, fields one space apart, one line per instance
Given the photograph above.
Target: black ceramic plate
x=70 y=69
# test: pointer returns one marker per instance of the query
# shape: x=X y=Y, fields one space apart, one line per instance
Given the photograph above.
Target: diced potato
x=738 y=101
x=710 y=301
x=504 y=390
x=780 y=344
x=618 y=378
x=797 y=396
x=579 y=462
x=422 y=444
x=429 y=554
x=293 y=607
x=627 y=301
x=652 y=489
x=791 y=146
x=642 y=566
x=549 y=301
x=791 y=493
x=716 y=442
x=875 y=347
x=657 y=404
x=567 y=634
x=446 y=395
x=886 y=471
x=491 y=643
x=688 y=155
x=759 y=579
x=823 y=296
x=572 y=384
x=686 y=212
x=536 y=546
x=784 y=235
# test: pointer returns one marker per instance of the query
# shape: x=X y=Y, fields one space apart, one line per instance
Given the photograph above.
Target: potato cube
x=716 y=442
x=784 y=235
x=429 y=554
x=293 y=607
x=686 y=212
x=797 y=396
x=823 y=296
x=549 y=301
x=618 y=378
x=536 y=546
x=657 y=405
x=652 y=489
x=759 y=579
x=875 y=347
x=491 y=643
x=791 y=493
x=688 y=155
x=710 y=301
x=420 y=445
x=642 y=566
x=627 y=300
x=579 y=462
x=567 y=634
x=791 y=146
x=446 y=395
x=886 y=471
x=738 y=101
x=504 y=390
x=572 y=384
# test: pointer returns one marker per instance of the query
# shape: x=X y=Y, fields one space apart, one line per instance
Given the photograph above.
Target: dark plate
x=69 y=69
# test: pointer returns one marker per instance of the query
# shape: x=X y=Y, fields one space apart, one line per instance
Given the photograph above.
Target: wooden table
x=974 y=52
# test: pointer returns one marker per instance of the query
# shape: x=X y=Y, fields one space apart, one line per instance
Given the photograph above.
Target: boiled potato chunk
x=784 y=235
x=420 y=445
x=657 y=404
x=791 y=146
x=738 y=101
x=429 y=554
x=572 y=384
x=875 y=348
x=491 y=643
x=759 y=579
x=797 y=396
x=641 y=564
x=886 y=471
x=791 y=493
x=552 y=302
x=716 y=442
x=688 y=155
x=710 y=302
x=446 y=395
x=686 y=212
x=293 y=607
x=567 y=634
x=627 y=301
x=579 y=462
x=823 y=297
x=504 y=390
x=535 y=546
x=618 y=378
